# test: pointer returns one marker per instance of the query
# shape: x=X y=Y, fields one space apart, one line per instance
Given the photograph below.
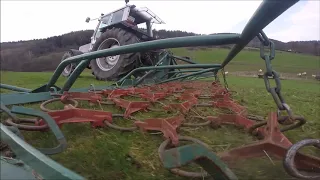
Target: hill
x=45 y=54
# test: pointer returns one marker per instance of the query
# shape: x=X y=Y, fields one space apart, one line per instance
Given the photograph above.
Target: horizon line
x=153 y=29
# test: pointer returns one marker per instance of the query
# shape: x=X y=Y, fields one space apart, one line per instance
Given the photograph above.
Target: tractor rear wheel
x=70 y=67
x=112 y=68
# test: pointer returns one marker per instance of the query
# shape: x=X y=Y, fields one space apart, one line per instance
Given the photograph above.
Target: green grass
x=251 y=61
x=103 y=153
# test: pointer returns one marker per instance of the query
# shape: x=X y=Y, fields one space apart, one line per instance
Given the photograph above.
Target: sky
x=26 y=20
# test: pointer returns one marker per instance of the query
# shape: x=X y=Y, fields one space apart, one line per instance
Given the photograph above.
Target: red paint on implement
x=231 y=105
x=274 y=143
x=91 y=97
x=182 y=107
x=116 y=93
x=131 y=107
x=76 y=115
x=167 y=126
x=234 y=119
x=153 y=97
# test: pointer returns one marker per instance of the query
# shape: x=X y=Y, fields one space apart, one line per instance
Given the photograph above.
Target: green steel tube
x=8 y=112
x=171 y=72
x=51 y=124
x=73 y=76
x=162 y=58
x=183 y=66
x=82 y=65
x=191 y=74
x=143 y=77
x=183 y=71
x=185 y=60
x=265 y=14
x=43 y=165
x=14 y=88
x=178 y=73
x=174 y=61
x=208 y=40
x=24 y=98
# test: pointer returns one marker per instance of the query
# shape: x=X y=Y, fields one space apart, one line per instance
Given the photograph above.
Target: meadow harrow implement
x=167 y=87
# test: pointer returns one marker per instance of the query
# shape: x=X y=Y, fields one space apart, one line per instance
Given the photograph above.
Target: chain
x=274 y=91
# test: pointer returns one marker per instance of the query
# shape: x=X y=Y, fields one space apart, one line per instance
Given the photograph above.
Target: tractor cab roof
x=140 y=15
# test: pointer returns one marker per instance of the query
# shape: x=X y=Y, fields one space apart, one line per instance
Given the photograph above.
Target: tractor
x=118 y=28
x=165 y=81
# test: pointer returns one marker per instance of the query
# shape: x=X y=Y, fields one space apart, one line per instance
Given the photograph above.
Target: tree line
x=45 y=54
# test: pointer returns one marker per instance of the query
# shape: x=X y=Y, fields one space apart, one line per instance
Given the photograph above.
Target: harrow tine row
x=169 y=80
x=276 y=144
x=273 y=141
x=167 y=126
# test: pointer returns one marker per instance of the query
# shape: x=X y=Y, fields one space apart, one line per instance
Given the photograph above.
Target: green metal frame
x=201 y=155
x=43 y=165
x=266 y=13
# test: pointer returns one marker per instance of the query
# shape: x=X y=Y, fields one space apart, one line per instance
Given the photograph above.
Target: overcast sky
x=25 y=20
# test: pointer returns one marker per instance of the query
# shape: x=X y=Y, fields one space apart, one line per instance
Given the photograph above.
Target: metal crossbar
x=265 y=14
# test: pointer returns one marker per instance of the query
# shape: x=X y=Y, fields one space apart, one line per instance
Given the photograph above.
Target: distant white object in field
x=304 y=73
x=313 y=75
x=299 y=74
x=260 y=70
x=226 y=72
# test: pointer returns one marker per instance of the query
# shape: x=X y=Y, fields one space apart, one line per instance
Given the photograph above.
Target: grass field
x=251 y=61
x=104 y=153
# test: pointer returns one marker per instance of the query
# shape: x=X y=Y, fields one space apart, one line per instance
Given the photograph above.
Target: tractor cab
x=128 y=17
x=119 y=28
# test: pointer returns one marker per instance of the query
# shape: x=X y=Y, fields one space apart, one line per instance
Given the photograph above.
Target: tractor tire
x=113 y=68
x=69 y=68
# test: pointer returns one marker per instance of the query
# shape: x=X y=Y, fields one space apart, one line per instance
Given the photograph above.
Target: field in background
x=109 y=154
x=284 y=62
